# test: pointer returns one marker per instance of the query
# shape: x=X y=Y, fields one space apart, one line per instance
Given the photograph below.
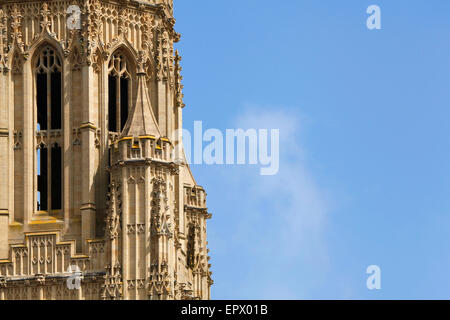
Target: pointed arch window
x=49 y=118
x=48 y=89
x=119 y=88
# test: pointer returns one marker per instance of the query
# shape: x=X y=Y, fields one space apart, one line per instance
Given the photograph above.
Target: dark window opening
x=41 y=88
x=49 y=93
x=42 y=180
x=56 y=176
x=56 y=100
x=112 y=103
x=123 y=102
x=119 y=87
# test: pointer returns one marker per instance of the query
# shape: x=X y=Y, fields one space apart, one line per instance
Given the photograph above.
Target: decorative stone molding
x=76 y=60
x=3 y=41
x=161 y=224
x=112 y=288
x=98 y=134
x=17 y=140
x=76 y=137
x=136 y=229
x=16 y=27
x=113 y=219
x=143 y=211
x=178 y=85
x=17 y=64
x=3 y=283
x=136 y=284
x=160 y=281
x=46 y=138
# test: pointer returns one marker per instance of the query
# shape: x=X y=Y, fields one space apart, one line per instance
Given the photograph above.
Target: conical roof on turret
x=141 y=121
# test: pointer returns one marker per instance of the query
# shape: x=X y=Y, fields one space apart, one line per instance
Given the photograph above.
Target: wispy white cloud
x=281 y=219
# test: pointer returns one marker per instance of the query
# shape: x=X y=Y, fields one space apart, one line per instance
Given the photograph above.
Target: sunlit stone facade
x=88 y=118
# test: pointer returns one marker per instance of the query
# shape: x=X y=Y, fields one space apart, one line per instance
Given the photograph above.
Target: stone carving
x=76 y=137
x=192 y=250
x=3 y=40
x=76 y=60
x=160 y=282
x=17 y=140
x=112 y=289
x=17 y=64
x=98 y=134
x=136 y=228
x=45 y=21
x=161 y=224
x=113 y=223
x=144 y=237
x=16 y=25
x=178 y=78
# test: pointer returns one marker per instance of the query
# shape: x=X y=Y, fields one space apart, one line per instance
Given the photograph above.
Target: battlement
x=141 y=148
x=194 y=196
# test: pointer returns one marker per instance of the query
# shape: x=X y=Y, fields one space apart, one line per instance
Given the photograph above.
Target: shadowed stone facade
x=88 y=119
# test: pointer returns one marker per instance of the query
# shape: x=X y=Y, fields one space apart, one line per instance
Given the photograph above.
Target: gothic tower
x=93 y=204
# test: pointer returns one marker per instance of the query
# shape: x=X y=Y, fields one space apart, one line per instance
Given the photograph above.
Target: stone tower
x=90 y=109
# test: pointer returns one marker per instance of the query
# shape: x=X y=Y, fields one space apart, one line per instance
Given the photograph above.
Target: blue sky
x=365 y=145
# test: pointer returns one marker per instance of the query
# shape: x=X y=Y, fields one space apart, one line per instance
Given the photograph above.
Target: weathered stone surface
x=132 y=221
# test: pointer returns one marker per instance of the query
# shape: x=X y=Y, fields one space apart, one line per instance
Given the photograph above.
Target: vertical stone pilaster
x=162 y=107
x=4 y=222
x=88 y=209
x=41 y=291
x=125 y=239
x=87 y=224
x=67 y=116
x=29 y=149
x=12 y=183
x=2 y=292
x=103 y=182
x=80 y=294
x=148 y=258
x=170 y=113
x=4 y=166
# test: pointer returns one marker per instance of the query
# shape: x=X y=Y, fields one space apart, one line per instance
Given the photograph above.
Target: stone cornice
x=147 y=162
x=198 y=210
x=41 y=278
